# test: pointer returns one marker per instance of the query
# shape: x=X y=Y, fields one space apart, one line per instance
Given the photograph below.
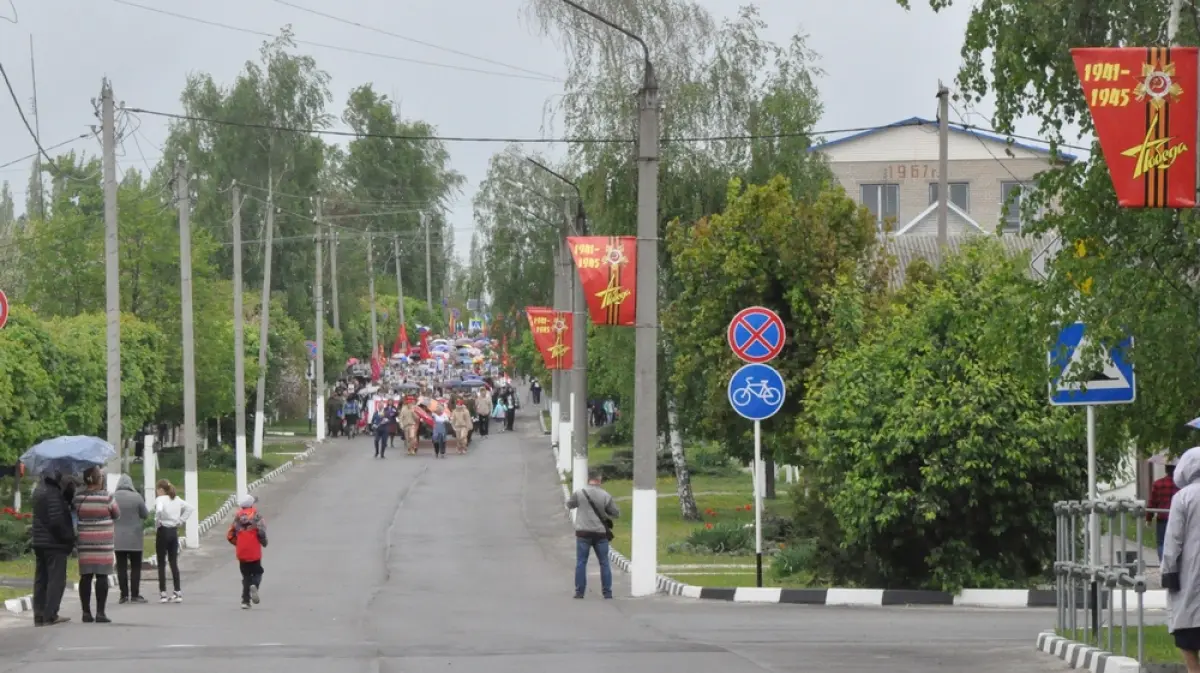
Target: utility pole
x=239 y=350
x=264 y=321
x=37 y=133
x=399 y=280
x=191 y=479
x=943 y=208
x=333 y=275
x=579 y=373
x=112 y=270
x=371 y=292
x=556 y=375
x=319 y=300
x=428 y=266
x=566 y=402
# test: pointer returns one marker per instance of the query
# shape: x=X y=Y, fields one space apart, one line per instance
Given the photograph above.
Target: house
x=893 y=171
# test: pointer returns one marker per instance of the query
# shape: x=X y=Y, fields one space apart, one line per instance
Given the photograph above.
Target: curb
x=25 y=603
x=1078 y=655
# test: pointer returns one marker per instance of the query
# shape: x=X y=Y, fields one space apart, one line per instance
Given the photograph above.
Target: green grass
x=11 y=592
x=741 y=579
x=1159 y=645
x=297 y=425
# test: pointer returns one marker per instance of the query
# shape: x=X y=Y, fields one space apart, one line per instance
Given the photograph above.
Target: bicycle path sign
x=756 y=391
x=756 y=334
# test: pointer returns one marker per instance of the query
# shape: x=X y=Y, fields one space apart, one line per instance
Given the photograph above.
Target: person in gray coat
x=129 y=539
x=594 y=512
x=1181 y=560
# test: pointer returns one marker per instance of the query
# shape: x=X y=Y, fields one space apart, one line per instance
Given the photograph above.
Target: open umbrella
x=473 y=383
x=407 y=386
x=70 y=455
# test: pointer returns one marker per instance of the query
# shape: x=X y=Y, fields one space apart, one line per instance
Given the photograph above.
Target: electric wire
x=27 y=157
x=25 y=120
x=334 y=47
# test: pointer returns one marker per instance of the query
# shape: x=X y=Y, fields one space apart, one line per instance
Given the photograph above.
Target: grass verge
x=1159 y=645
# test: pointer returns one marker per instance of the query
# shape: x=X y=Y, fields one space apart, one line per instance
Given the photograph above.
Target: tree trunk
x=769 y=468
x=683 y=477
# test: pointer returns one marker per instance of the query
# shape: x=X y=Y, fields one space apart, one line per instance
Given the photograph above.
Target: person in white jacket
x=170 y=512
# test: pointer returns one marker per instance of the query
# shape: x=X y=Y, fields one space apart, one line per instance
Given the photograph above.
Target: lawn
x=727 y=498
x=1159 y=645
x=299 y=426
x=11 y=592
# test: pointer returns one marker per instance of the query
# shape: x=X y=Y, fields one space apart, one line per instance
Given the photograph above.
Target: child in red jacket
x=248 y=534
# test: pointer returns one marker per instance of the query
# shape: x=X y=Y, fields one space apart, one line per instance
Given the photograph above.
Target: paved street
x=465 y=565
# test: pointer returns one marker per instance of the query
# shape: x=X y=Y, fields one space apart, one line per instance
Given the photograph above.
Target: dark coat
x=52 y=528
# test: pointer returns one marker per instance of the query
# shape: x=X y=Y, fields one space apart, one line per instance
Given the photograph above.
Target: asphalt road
x=465 y=564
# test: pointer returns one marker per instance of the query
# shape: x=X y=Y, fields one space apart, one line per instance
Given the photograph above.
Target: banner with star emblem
x=552 y=335
x=1143 y=103
x=607 y=268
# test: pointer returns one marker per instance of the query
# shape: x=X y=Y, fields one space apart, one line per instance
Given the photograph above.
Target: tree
x=931 y=456
x=28 y=391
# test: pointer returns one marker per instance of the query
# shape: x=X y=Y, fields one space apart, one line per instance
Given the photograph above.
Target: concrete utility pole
x=579 y=373
x=428 y=266
x=264 y=321
x=191 y=478
x=399 y=280
x=371 y=292
x=112 y=273
x=37 y=134
x=556 y=376
x=319 y=300
x=566 y=402
x=943 y=208
x=239 y=350
x=333 y=275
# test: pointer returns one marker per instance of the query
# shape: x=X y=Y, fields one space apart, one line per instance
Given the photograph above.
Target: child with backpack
x=248 y=535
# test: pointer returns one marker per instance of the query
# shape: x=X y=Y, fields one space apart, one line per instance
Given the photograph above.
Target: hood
x=125 y=483
x=1187 y=471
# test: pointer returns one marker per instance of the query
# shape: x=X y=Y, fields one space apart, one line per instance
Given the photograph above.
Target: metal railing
x=1099 y=584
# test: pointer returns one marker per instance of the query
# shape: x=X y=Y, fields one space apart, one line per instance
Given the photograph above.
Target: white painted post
x=149 y=469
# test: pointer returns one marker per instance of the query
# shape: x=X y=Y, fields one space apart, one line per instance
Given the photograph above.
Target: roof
x=907 y=249
x=954 y=128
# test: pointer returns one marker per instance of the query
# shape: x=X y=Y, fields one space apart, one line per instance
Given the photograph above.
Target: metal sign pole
x=1093 y=518
x=758 y=500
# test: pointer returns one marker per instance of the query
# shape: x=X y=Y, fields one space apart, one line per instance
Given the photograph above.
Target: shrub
x=14 y=534
x=792 y=559
x=721 y=538
x=218 y=458
x=778 y=528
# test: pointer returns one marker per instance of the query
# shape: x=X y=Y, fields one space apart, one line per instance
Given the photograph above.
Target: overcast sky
x=882 y=64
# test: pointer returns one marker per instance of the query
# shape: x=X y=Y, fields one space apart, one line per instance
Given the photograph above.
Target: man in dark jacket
x=53 y=538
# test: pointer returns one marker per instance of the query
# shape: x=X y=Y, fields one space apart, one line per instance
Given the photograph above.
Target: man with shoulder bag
x=594 y=512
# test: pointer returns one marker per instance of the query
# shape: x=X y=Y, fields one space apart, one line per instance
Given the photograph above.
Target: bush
x=778 y=528
x=615 y=434
x=219 y=458
x=709 y=462
x=721 y=538
x=792 y=560
x=14 y=534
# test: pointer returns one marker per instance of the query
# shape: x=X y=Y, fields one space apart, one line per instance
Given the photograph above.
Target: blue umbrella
x=473 y=383
x=69 y=455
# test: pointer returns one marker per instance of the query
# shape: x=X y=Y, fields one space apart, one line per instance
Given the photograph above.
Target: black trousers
x=510 y=416
x=85 y=592
x=484 y=422
x=381 y=443
x=252 y=572
x=49 y=583
x=537 y=396
x=129 y=573
x=166 y=548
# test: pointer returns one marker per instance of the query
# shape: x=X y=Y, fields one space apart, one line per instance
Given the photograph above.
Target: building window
x=883 y=200
x=960 y=195
x=1012 y=196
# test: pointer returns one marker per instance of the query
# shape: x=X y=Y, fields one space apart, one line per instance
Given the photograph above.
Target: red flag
x=401 y=345
x=376 y=366
x=425 y=345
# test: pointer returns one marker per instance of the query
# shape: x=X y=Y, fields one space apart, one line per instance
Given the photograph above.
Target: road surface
x=465 y=565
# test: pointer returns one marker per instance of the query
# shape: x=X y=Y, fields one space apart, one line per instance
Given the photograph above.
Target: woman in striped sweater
x=97 y=511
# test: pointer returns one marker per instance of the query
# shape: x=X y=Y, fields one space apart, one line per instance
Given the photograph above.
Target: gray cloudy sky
x=882 y=64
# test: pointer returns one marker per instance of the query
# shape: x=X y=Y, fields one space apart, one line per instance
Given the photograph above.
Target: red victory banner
x=608 y=270
x=552 y=335
x=1143 y=103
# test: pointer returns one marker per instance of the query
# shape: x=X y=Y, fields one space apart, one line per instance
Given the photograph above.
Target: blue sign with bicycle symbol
x=756 y=392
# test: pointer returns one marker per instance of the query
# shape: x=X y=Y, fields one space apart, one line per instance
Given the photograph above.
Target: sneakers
x=137 y=599
x=162 y=597
x=177 y=597
x=245 y=605
x=254 y=595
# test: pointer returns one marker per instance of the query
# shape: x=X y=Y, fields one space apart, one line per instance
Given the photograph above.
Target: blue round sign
x=757 y=391
x=312 y=349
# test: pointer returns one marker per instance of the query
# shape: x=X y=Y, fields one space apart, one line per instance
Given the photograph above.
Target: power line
x=27 y=157
x=415 y=40
x=25 y=120
x=334 y=47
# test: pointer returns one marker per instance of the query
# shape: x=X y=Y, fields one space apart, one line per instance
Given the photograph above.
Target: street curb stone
x=1078 y=655
x=25 y=603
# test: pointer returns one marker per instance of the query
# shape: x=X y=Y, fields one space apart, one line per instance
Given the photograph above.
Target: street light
x=579 y=389
x=644 y=541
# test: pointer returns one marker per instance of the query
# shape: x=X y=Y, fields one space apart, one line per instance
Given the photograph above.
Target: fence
x=1098 y=564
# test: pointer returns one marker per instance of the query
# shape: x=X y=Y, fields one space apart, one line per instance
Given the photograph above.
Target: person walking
x=53 y=538
x=461 y=420
x=97 y=512
x=382 y=429
x=248 y=535
x=594 y=512
x=535 y=391
x=483 y=409
x=1181 y=560
x=408 y=425
x=1162 y=491
x=128 y=542
x=440 y=420
x=170 y=512
x=509 y=398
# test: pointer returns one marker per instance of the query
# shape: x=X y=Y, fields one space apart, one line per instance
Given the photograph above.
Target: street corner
x=1079 y=655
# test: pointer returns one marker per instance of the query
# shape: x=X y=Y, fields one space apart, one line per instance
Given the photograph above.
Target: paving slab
x=465 y=564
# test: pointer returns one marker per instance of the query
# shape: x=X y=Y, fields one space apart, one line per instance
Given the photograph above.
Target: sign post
x=757 y=391
x=1113 y=382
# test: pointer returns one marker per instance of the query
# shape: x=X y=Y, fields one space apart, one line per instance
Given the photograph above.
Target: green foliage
x=215 y=458
x=720 y=538
x=932 y=455
x=793 y=559
x=14 y=538
x=29 y=393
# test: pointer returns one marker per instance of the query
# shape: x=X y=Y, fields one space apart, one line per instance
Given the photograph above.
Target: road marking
x=175 y=646
x=93 y=648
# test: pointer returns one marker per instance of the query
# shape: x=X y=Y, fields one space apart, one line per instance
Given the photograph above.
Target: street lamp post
x=579 y=377
x=645 y=369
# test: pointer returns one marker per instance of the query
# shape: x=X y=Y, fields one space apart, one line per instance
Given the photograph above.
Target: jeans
x=484 y=422
x=85 y=593
x=583 y=546
x=49 y=583
x=252 y=572
x=381 y=442
x=166 y=548
x=439 y=445
x=129 y=573
x=1160 y=529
